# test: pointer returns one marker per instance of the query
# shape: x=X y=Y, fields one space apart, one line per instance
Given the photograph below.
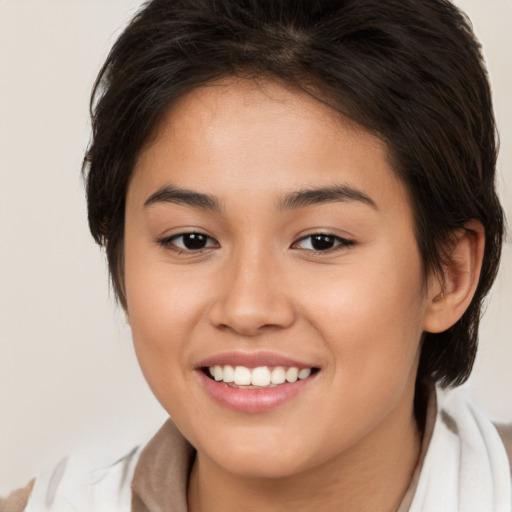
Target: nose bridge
x=252 y=296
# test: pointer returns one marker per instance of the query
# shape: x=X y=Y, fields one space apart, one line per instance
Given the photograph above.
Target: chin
x=271 y=466
x=265 y=456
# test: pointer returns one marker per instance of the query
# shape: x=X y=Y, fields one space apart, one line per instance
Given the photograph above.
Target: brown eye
x=189 y=242
x=322 y=242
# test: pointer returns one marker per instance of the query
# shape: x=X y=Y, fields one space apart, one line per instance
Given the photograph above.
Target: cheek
x=370 y=322
x=370 y=313
x=161 y=298
x=152 y=306
x=164 y=309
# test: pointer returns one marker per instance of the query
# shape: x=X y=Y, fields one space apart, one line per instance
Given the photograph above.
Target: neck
x=374 y=474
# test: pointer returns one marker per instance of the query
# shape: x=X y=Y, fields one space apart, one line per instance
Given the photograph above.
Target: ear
x=450 y=294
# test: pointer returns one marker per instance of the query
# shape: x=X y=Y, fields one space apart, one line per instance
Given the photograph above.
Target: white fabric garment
x=464 y=468
x=82 y=483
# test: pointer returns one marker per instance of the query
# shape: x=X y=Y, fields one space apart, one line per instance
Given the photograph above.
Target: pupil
x=322 y=242
x=194 y=241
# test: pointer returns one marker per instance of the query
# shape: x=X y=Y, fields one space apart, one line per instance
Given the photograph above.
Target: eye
x=188 y=242
x=322 y=242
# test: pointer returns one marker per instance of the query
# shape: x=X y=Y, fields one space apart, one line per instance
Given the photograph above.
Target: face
x=266 y=236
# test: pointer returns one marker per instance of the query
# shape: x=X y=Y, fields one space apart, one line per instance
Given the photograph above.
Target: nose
x=252 y=297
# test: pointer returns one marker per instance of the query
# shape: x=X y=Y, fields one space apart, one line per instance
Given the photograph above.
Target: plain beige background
x=68 y=375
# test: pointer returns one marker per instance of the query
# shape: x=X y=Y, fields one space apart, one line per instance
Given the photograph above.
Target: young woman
x=297 y=203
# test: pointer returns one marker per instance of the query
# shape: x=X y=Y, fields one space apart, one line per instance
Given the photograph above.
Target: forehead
x=249 y=108
x=244 y=136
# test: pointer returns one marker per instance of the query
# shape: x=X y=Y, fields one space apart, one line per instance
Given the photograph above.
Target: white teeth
x=217 y=373
x=262 y=376
x=278 y=375
x=229 y=374
x=292 y=374
x=242 y=376
x=304 y=373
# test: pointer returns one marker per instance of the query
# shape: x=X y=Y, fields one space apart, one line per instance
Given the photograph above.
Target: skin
x=357 y=312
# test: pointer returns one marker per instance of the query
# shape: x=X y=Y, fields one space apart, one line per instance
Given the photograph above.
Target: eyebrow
x=295 y=200
x=176 y=195
x=338 y=193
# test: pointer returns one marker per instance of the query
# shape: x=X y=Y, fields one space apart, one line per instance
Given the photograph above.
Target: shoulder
x=83 y=482
x=17 y=500
x=505 y=432
x=153 y=472
x=458 y=411
x=465 y=466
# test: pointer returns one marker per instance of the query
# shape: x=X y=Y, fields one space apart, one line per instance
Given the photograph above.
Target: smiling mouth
x=261 y=377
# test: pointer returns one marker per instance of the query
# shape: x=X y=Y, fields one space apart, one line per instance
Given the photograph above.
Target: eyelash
x=170 y=242
x=339 y=242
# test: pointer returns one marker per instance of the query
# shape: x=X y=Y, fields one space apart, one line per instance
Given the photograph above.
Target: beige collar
x=161 y=475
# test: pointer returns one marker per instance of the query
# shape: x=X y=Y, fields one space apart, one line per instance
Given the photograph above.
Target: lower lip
x=253 y=400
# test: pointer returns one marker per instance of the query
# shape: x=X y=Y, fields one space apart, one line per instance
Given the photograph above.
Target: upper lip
x=253 y=360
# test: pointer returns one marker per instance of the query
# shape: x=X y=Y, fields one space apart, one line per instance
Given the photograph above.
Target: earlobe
x=450 y=295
